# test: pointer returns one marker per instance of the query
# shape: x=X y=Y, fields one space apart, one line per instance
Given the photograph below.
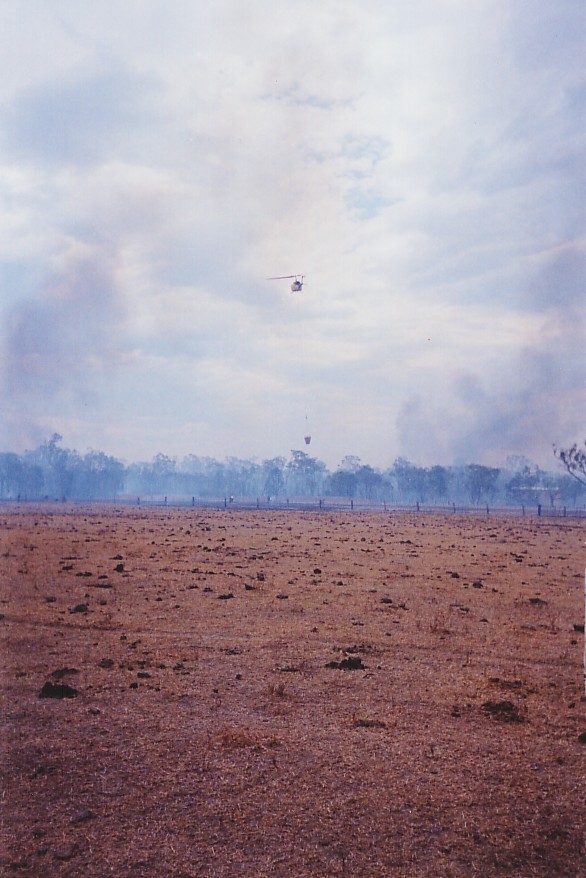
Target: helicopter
x=297 y=284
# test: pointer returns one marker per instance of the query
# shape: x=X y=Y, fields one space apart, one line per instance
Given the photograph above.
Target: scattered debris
x=348 y=664
x=65 y=851
x=79 y=608
x=82 y=817
x=503 y=710
x=57 y=690
x=506 y=684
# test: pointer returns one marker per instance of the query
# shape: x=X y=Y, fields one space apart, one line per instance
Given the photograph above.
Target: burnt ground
x=230 y=693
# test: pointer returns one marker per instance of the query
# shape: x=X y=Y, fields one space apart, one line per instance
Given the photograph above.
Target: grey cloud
x=295 y=95
x=84 y=119
x=541 y=401
x=547 y=33
x=540 y=404
x=371 y=149
x=59 y=344
x=561 y=285
x=367 y=202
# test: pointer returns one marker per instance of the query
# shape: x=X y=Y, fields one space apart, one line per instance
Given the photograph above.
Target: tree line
x=56 y=473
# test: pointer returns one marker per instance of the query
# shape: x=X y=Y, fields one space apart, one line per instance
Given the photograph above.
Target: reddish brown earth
x=210 y=734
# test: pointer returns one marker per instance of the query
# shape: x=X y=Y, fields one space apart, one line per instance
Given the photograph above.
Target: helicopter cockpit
x=298 y=281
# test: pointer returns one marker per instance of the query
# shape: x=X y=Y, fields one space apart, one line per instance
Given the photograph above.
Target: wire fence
x=337 y=504
x=309 y=504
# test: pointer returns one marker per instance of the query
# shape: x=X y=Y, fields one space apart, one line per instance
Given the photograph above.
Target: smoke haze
x=423 y=166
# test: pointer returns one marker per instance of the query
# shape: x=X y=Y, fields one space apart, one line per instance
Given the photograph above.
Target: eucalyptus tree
x=574 y=460
x=305 y=474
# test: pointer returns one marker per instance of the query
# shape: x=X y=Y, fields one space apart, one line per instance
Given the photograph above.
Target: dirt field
x=291 y=694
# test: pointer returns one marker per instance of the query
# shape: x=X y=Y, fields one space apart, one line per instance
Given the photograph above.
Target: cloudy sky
x=422 y=163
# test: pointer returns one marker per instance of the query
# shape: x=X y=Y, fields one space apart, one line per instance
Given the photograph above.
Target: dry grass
x=381 y=695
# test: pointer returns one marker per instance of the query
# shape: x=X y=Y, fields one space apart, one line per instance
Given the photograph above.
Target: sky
x=422 y=164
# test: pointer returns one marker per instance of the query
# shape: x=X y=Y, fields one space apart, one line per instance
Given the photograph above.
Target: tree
x=574 y=460
x=307 y=473
x=10 y=475
x=203 y=476
x=523 y=487
x=100 y=476
x=411 y=480
x=342 y=483
x=369 y=482
x=58 y=465
x=438 y=478
x=351 y=463
x=274 y=480
x=32 y=481
x=570 y=490
x=163 y=470
x=482 y=481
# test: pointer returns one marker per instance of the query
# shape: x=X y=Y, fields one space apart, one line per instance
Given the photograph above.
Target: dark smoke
x=543 y=401
x=59 y=345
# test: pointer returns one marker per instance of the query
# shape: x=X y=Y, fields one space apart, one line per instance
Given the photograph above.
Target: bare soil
x=229 y=693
